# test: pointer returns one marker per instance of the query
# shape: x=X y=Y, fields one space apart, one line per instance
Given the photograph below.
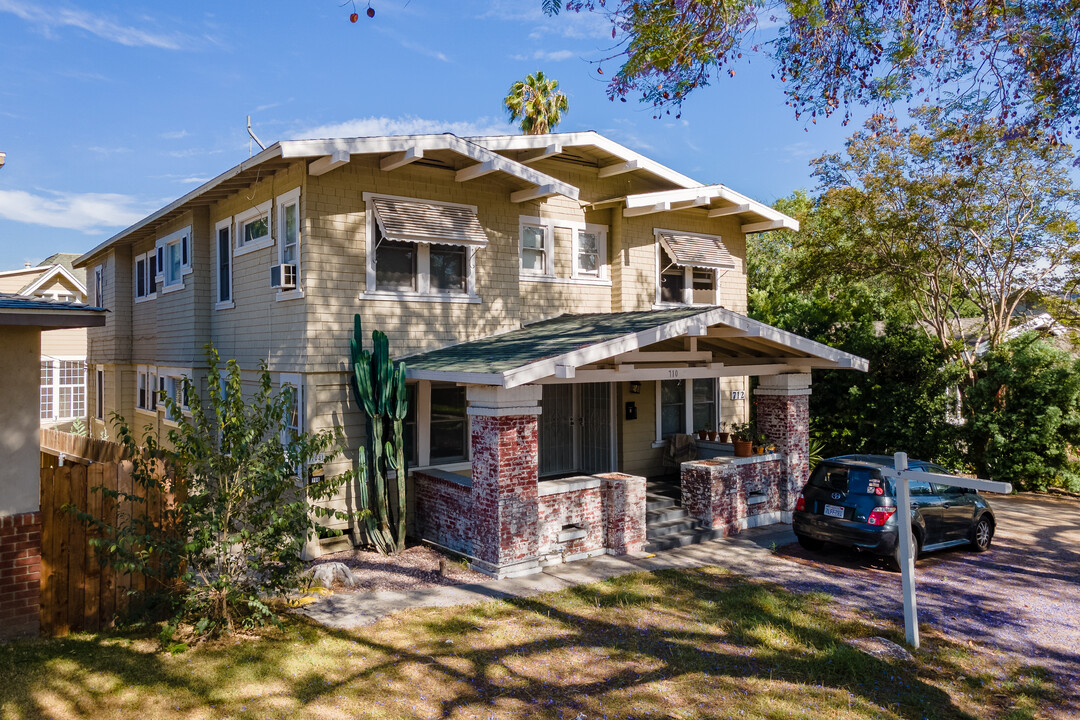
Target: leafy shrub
x=1023 y=416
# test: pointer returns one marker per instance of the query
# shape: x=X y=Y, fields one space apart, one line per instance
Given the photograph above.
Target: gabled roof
x=468 y=159
x=54 y=271
x=727 y=342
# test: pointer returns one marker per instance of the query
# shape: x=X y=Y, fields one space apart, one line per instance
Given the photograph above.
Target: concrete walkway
x=749 y=553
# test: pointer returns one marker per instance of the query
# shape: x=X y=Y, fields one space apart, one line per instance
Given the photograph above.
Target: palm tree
x=536 y=102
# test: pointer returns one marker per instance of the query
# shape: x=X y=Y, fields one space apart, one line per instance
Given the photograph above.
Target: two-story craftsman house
x=564 y=305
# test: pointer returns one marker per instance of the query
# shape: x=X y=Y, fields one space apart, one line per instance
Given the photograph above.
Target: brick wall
x=582 y=507
x=20 y=574
x=782 y=404
x=719 y=492
x=505 y=507
x=624 y=508
x=444 y=511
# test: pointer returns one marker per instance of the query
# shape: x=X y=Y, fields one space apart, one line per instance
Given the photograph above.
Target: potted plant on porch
x=722 y=435
x=742 y=438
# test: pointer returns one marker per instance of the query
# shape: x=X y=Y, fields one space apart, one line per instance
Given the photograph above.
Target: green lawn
x=673 y=644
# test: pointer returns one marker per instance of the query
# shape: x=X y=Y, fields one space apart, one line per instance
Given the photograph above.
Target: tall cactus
x=380 y=384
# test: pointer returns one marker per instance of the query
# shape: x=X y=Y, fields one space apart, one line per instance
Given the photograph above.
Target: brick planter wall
x=624 y=506
x=570 y=502
x=783 y=414
x=736 y=493
x=444 y=510
x=20 y=575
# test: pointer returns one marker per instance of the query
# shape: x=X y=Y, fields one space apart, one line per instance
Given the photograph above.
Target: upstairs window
x=535 y=248
x=174 y=258
x=589 y=252
x=223 y=251
x=288 y=232
x=99 y=286
x=688 y=267
x=253 y=228
x=146 y=276
x=422 y=248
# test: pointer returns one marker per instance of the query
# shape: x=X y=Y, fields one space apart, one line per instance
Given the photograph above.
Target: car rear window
x=859 y=481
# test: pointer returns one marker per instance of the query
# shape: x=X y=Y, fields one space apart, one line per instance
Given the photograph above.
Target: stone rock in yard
x=882 y=648
x=327 y=574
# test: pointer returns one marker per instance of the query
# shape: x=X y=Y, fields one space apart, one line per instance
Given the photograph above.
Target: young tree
x=245 y=503
x=1019 y=61
x=960 y=218
x=537 y=103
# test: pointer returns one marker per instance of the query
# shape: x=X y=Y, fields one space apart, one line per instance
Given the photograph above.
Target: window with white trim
x=171 y=384
x=449 y=424
x=253 y=228
x=63 y=389
x=289 y=230
x=223 y=261
x=428 y=267
x=536 y=250
x=146 y=397
x=686 y=406
x=294 y=414
x=590 y=251
x=174 y=257
x=691 y=278
x=146 y=274
x=99 y=394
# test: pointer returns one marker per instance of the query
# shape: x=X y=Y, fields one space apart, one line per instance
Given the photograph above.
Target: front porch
x=560 y=453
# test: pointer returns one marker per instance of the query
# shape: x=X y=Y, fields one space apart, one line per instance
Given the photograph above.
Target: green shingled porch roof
x=543 y=340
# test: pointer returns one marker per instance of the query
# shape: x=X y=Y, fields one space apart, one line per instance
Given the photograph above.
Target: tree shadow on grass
x=682 y=643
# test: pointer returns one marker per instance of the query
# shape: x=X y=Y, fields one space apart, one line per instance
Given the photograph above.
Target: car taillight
x=879 y=516
x=800 y=504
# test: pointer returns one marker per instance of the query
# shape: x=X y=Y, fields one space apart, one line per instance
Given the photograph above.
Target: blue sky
x=109 y=110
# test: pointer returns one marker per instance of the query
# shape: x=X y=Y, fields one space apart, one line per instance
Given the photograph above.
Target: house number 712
x=738 y=394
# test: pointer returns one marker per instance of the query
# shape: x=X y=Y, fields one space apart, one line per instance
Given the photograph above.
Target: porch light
x=635 y=388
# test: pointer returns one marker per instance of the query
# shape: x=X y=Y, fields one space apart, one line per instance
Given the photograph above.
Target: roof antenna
x=253 y=137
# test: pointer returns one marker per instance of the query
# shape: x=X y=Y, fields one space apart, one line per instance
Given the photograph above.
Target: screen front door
x=575 y=429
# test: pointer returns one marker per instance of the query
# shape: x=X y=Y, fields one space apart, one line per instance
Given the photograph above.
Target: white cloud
x=575 y=25
x=175 y=134
x=49 y=18
x=194 y=179
x=407 y=125
x=91 y=213
x=548 y=55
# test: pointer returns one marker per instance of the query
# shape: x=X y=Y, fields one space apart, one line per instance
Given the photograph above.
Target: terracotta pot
x=723 y=437
x=701 y=434
x=743 y=448
x=712 y=436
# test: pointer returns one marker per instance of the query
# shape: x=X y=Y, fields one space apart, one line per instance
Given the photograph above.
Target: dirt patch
x=418 y=568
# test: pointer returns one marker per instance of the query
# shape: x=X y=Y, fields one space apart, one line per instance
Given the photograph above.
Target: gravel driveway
x=1022 y=596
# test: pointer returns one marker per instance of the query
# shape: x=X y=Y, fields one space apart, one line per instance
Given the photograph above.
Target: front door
x=575 y=429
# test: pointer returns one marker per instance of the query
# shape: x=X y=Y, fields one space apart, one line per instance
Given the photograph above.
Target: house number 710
x=673 y=373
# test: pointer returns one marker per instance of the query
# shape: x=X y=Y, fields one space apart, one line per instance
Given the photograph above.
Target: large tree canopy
x=1019 y=60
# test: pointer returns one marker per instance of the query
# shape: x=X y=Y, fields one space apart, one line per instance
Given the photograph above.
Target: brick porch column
x=783 y=414
x=505 y=465
x=20 y=574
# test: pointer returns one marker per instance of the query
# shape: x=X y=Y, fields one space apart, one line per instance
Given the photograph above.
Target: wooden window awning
x=415 y=221
x=699 y=251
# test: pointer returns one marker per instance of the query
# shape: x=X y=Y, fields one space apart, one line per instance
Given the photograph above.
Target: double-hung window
x=422 y=249
x=174 y=258
x=536 y=241
x=686 y=406
x=223 y=262
x=253 y=229
x=294 y=414
x=289 y=230
x=688 y=266
x=171 y=384
x=99 y=394
x=148 y=389
x=548 y=246
x=146 y=272
x=590 y=250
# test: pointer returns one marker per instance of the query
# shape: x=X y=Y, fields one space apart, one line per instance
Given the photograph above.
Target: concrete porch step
x=689 y=537
x=676 y=526
x=673 y=512
x=659 y=502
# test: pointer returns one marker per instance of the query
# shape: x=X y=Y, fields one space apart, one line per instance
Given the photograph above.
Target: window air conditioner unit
x=283 y=277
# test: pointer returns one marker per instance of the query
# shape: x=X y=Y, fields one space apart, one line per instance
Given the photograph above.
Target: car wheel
x=982 y=534
x=810 y=543
x=914 y=551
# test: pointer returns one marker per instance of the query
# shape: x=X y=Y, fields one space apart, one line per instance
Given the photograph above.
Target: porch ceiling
x=647 y=345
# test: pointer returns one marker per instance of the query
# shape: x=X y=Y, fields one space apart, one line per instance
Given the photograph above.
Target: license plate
x=836 y=511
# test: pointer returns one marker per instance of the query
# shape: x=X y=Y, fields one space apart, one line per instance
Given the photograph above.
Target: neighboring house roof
x=66 y=261
x=19 y=310
x=77 y=280
x=558 y=346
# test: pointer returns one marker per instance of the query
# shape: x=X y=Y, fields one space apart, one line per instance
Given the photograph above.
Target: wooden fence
x=77 y=593
x=79 y=448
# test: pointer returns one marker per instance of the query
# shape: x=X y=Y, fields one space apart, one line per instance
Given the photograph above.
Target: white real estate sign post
x=903 y=476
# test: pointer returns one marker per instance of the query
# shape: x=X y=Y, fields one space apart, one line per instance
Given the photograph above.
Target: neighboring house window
x=449 y=425
x=47 y=390
x=99 y=286
x=535 y=248
x=147 y=397
x=688 y=266
x=289 y=230
x=146 y=273
x=174 y=257
x=63 y=389
x=223 y=252
x=422 y=248
x=99 y=394
x=171 y=384
x=685 y=406
x=253 y=229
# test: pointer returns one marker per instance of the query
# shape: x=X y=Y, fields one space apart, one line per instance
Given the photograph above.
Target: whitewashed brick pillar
x=782 y=403
x=505 y=468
